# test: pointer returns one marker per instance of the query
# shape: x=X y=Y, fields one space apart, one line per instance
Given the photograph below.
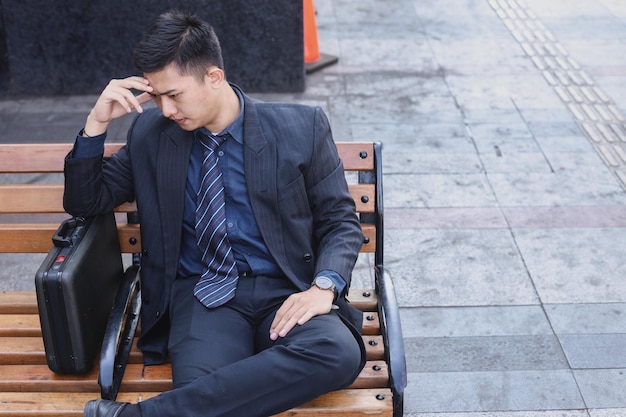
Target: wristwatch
x=325 y=283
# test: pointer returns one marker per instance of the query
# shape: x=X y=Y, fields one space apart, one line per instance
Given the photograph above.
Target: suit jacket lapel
x=260 y=168
x=171 y=171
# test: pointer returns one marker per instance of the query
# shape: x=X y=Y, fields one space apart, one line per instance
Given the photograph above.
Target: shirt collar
x=235 y=129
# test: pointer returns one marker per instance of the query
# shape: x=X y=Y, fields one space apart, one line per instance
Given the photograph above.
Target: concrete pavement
x=504 y=143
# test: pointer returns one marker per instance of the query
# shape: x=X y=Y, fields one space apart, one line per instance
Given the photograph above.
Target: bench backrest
x=24 y=230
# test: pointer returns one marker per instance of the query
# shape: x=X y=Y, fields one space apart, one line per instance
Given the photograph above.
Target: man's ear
x=214 y=76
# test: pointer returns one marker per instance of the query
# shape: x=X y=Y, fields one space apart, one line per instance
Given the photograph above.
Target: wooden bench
x=29 y=216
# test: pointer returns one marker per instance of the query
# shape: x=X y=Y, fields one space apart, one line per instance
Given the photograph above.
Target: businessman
x=249 y=233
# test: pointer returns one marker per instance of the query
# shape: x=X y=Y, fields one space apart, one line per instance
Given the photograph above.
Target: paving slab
x=604 y=318
x=451 y=189
x=607 y=412
x=602 y=388
x=562 y=187
x=462 y=392
x=458 y=267
x=482 y=321
x=498 y=353
x=595 y=351
x=575 y=265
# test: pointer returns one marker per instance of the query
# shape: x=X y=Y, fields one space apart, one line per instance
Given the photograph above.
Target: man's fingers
x=123 y=97
x=281 y=319
x=298 y=309
x=141 y=99
x=137 y=83
x=116 y=100
x=118 y=92
x=140 y=84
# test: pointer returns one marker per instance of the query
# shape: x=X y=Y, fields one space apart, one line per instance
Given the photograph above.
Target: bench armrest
x=392 y=330
x=120 y=333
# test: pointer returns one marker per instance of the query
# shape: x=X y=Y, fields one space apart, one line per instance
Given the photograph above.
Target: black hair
x=179 y=38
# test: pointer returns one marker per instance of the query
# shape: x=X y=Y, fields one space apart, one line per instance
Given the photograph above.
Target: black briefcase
x=76 y=285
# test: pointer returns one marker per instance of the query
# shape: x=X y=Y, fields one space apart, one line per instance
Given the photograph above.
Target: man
x=250 y=308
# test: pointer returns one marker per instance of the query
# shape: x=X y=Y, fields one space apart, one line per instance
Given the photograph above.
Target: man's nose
x=168 y=107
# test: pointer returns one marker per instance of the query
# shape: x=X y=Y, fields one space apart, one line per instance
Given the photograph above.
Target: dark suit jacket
x=295 y=182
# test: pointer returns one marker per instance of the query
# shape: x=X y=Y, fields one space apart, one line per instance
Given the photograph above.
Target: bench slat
x=22 y=351
x=18 y=302
x=29 y=350
x=373 y=375
x=31 y=198
x=37 y=238
x=48 y=198
x=44 y=198
x=27 y=325
x=364 y=197
x=350 y=154
x=25 y=302
x=364 y=299
x=20 y=325
x=137 y=377
x=348 y=402
x=26 y=238
x=39 y=378
x=16 y=158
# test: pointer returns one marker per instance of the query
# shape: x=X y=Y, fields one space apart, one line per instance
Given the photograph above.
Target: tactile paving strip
x=598 y=116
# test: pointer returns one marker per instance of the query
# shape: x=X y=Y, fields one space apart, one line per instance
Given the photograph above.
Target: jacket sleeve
x=97 y=185
x=336 y=227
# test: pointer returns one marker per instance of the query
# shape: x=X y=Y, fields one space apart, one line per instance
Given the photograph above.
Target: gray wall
x=75 y=47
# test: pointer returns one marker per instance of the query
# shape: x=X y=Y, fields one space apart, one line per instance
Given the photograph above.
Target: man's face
x=184 y=98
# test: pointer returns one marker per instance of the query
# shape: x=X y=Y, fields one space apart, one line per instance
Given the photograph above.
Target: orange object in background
x=311 y=44
x=313 y=59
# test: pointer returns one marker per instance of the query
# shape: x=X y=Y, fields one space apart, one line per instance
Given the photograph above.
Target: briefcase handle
x=68 y=230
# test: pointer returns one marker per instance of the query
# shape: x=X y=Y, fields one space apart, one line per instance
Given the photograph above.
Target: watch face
x=324 y=283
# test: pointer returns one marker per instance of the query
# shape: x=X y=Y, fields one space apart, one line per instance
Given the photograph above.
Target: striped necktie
x=219 y=281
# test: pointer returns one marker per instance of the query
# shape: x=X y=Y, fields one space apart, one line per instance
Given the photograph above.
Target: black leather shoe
x=103 y=408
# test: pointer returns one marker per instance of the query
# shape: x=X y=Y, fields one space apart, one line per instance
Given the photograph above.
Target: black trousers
x=224 y=363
